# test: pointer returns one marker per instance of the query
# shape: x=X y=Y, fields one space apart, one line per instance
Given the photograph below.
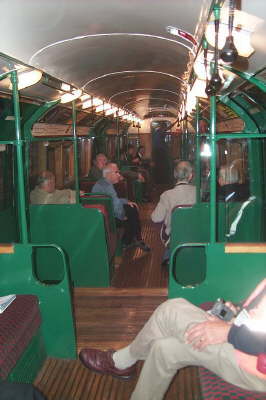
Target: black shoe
x=128 y=246
x=142 y=245
x=165 y=263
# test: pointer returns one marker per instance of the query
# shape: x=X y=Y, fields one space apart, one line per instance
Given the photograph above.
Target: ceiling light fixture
x=27 y=78
x=67 y=97
x=66 y=87
x=244 y=25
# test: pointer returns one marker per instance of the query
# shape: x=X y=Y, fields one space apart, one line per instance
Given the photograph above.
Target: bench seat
x=215 y=388
x=18 y=324
x=110 y=236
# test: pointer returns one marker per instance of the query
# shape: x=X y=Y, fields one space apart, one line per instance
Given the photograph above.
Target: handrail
x=62 y=253
x=176 y=250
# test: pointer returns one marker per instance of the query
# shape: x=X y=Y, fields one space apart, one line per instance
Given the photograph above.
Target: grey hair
x=183 y=171
x=107 y=169
x=229 y=174
x=100 y=155
x=44 y=176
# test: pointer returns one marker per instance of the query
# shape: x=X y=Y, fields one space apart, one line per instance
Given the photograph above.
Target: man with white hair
x=100 y=162
x=182 y=194
x=126 y=212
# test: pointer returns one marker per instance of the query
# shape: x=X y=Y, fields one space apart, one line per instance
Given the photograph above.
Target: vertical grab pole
x=76 y=168
x=213 y=170
x=197 y=152
x=118 y=139
x=22 y=216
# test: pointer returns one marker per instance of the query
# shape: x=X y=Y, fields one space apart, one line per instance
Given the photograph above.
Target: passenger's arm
x=259 y=288
x=247 y=341
x=159 y=213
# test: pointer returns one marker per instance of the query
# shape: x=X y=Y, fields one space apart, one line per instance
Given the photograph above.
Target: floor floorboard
x=110 y=318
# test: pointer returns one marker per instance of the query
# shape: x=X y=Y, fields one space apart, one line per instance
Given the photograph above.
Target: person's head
x=183 y=171
x=130 y=149
x=46 y=181
x=100 y=161
x=228 y=175
x=111 y=173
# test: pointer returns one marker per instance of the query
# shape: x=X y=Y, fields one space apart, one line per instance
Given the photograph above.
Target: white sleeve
x=160 y=212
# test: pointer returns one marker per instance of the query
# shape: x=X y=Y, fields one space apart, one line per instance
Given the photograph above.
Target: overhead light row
x=243 y=26
x=28 y=77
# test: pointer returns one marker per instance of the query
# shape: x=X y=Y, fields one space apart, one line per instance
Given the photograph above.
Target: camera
x=220 y=310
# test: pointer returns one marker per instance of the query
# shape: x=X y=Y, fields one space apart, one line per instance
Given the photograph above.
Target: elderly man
x=179 y=334
x=229 y=187
x=100 y=162
x=46 y=193
x=126 y=212
x=183 y=193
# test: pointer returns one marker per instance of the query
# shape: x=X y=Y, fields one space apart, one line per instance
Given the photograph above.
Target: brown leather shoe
x=102 y=362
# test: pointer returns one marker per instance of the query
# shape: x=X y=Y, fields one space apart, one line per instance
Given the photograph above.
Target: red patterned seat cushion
x=18 y=324
x=111 y=236
x=214 y=388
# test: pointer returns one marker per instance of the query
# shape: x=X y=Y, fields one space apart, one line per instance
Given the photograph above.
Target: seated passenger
x=126 y=212
x=129 y=155
x=100 y=162
x=140 y=158
x=142 y=166
x=183 y=193
x=229 y=187
x=179 y=334
x=46 y=193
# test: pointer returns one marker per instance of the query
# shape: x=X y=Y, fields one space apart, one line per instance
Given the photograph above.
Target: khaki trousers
x=161 y=344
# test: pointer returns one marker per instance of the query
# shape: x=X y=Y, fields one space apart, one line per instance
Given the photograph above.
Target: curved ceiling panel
x=116 y=83
x=106 y=46
x=80 y=61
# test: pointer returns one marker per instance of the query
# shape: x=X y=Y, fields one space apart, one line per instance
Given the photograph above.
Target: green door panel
x=191 y=225
x=230 y=269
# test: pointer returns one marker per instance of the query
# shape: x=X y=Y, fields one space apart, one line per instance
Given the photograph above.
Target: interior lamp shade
x=27 y=78
x=67 y=97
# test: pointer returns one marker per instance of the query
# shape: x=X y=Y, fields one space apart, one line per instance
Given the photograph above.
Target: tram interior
x=102 y=77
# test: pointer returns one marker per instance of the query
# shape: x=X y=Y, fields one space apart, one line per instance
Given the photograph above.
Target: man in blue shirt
x=126 y=212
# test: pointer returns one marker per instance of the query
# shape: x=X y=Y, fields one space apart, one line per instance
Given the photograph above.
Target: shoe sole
x=122 y=378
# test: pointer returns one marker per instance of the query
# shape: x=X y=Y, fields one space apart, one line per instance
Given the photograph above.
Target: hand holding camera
x=224 y=311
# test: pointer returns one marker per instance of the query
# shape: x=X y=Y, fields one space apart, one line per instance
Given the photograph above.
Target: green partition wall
x=81 y=234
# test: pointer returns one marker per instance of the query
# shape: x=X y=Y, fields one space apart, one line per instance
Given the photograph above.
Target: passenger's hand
x=82 y=192
x=232 y=307
x=211 y=331
x=133 y=204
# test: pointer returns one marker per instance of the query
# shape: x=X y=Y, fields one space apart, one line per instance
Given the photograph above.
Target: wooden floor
x=110 y=318
x=140 y=269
